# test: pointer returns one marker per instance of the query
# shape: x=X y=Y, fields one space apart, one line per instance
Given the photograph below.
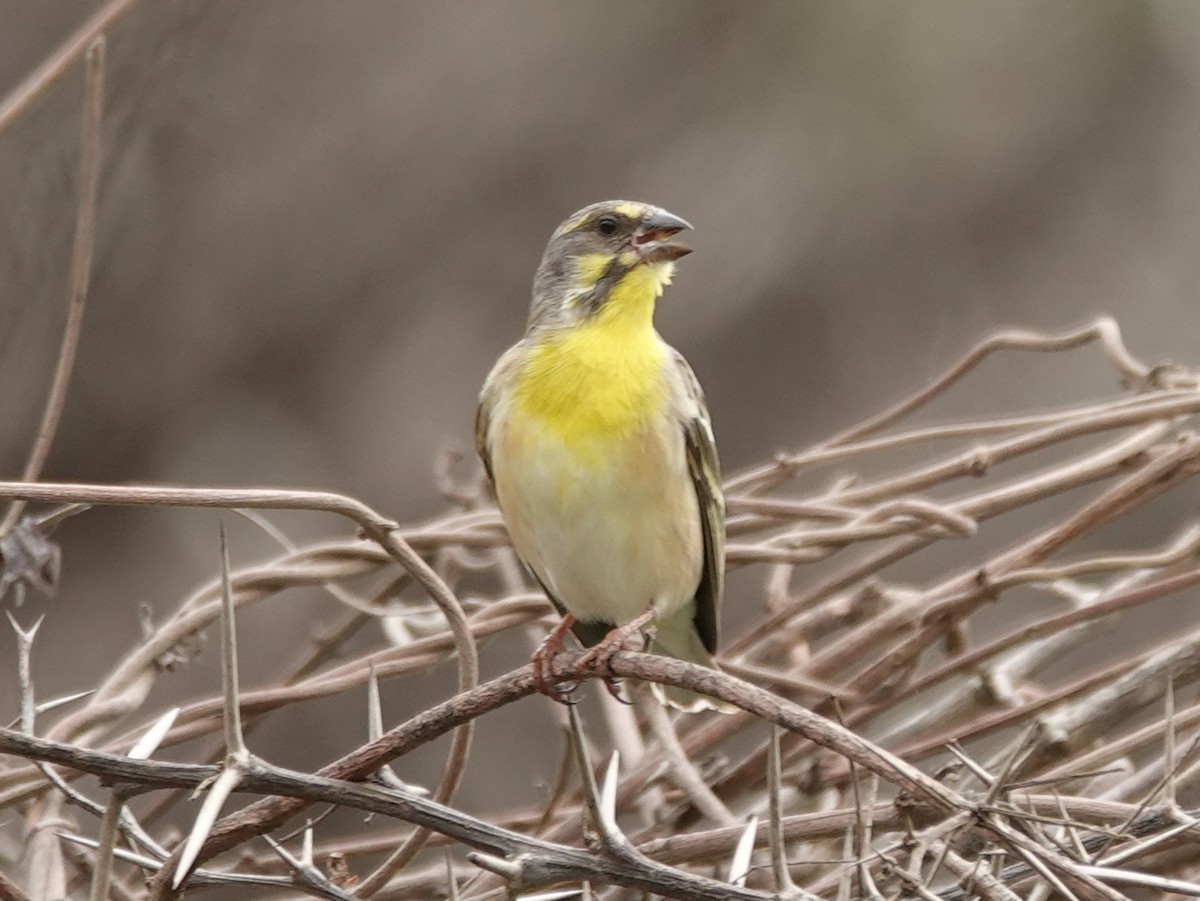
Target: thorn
x=235 y=742
x=304 y=873
x=608 y=794
x=148 y=743
x=374 y=709
x=739 y=865
x=146 y=863
x=306 y=846
x=221 y=789
x=511 y=871
x=283 y=852
x=54 y=704
x=375 y=729
x=25 y=635
x=978 y=771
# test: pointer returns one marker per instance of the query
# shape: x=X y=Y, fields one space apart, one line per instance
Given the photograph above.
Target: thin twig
x=81 y=269
x=55 y=66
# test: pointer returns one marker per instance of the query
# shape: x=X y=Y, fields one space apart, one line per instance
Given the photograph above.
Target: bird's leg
x=543 y=661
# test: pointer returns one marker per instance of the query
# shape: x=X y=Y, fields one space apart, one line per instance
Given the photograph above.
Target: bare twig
x=81 y=268
x=682 y=771
x=1104 y=330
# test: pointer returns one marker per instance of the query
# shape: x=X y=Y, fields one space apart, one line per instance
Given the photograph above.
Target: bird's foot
x=602 y=654
x=543 y=663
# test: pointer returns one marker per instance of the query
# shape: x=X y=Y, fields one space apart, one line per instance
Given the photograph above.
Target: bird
x=598 y=443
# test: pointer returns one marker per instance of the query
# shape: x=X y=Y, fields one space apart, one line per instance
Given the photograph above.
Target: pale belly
x=609 y=537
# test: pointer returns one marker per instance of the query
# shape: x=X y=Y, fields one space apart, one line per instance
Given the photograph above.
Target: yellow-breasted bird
x=597 y=440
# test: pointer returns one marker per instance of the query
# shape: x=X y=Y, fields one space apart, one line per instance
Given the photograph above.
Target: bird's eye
x=606 y=225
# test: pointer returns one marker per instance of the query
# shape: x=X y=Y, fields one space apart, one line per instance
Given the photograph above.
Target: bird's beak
x=653 y=237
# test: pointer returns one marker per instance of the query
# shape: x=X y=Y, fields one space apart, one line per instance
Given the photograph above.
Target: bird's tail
x=679 y=639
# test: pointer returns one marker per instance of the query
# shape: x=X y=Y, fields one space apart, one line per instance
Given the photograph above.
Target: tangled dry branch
x=916 y=758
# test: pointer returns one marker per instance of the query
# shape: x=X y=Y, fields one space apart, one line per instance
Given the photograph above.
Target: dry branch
x=855 y=634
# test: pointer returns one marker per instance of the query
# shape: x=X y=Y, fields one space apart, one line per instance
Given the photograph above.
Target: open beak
x=653 y=237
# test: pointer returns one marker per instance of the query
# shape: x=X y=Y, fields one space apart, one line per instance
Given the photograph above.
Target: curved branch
x=542 y=862
x=269 y=813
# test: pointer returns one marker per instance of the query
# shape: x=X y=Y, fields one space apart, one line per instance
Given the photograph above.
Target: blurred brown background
x=319 y=221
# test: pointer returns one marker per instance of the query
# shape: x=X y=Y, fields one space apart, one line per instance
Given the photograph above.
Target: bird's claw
x=543 y=665
x=613 y=687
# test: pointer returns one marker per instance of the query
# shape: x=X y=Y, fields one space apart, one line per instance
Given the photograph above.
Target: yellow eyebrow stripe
x=628 y=209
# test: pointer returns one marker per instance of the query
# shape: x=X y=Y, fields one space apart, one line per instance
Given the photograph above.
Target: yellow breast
x=602 y=379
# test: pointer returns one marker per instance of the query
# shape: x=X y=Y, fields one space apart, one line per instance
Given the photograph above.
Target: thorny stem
x=852 y=613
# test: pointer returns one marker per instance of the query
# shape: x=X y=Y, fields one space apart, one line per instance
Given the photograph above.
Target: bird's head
x=598 y=250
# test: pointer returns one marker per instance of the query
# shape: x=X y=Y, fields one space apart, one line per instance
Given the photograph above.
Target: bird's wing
x=705 y=470
x=483 y=421
x=502 y=374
